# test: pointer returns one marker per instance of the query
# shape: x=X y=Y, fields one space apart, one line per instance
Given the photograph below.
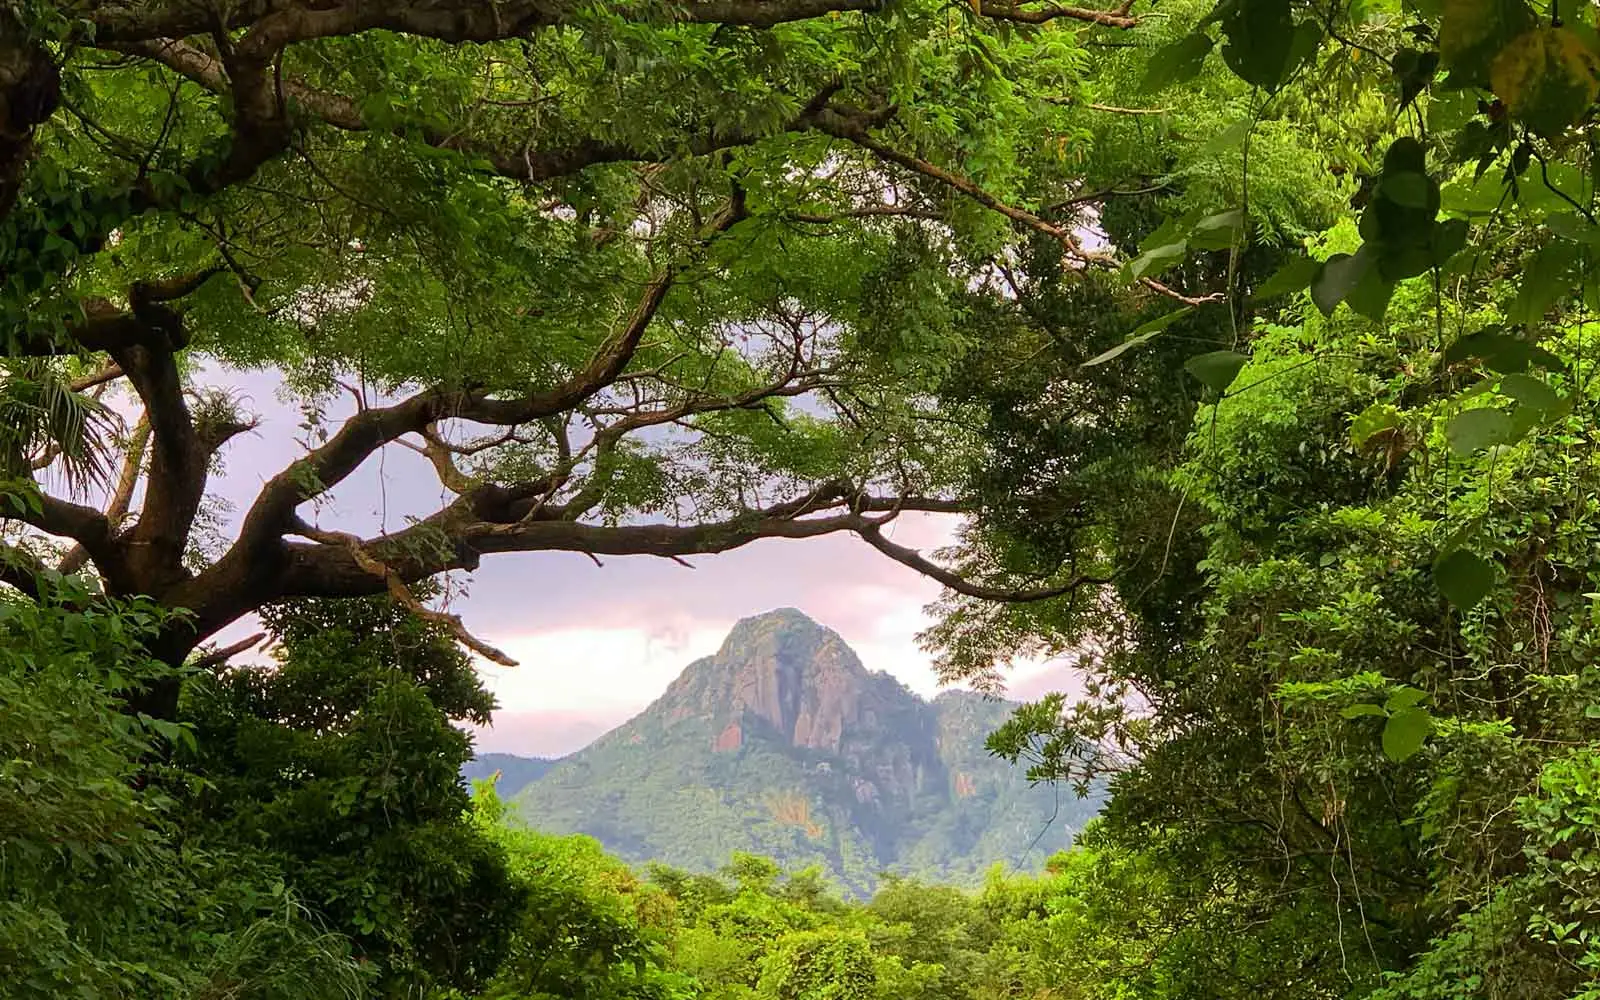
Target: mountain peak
x=781 y=675
x=778 y=621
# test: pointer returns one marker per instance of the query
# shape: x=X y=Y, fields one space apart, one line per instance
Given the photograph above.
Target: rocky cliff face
x=783 y=675
x=784 y=744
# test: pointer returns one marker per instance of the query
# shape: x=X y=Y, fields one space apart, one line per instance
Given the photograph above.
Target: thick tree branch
x=855 y=131
x=20 y=569
x=217 y=658
x=274 y=24
x=400 y=592
x=1026 y=13
x=528 y=162
x=367 y=431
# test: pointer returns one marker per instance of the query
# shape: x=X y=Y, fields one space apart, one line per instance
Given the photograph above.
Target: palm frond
x=43 y=421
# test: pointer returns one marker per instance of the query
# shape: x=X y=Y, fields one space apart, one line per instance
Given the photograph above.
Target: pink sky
x=596 y=644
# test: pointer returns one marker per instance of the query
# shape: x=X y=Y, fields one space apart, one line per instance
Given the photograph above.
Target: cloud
x=543 y=734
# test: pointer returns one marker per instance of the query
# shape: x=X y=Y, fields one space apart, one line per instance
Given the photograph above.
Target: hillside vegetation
x=783 y=745
x=1250 y=346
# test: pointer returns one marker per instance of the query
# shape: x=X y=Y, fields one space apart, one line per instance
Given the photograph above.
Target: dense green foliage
x=782 y=744
x=1256 y=338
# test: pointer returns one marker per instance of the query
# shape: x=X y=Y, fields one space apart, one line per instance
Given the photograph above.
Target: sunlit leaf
x=1472 y=32
x=1405 y=732
x=1548 y=78
x=1375 y=418
x=1404 y=698
x=1363 y=709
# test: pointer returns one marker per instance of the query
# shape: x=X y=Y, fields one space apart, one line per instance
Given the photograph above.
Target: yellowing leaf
x=1548 y=78
x=1472 y=32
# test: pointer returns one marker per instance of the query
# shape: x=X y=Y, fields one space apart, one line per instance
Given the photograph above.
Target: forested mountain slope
x=515 y=772
x=784 y=744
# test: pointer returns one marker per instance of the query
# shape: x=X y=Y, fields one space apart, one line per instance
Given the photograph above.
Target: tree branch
x=400 y=592
x=218 y=657
x=872 y=534
x=121 y=497
x=274 y=24
x=1024 y=14
x=20 y=569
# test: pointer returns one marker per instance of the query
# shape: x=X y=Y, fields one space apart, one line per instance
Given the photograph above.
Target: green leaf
x=1370 y=296
x=1404 y=733
x=1363 y=709
x=1177 y=61
x=1216 y=370
x=1410 y=189
x=1157 y=260
x=1139 y=336
x=1545 y=279
x=1405 y=155
x=1217 y=232
x=1449 y=237
x=1261 y=35
x=1530 y=392
x=1471 y=431
x=1375 y=418
x=1229 y=138
x=1501 y=351
x=1291 y=277
x=1463 y=578
x=1335 y=279
x=1472 y=33
x=1404 y=698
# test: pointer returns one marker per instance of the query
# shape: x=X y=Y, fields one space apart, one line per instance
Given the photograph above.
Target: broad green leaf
x=1217 y=232
x=1545 y=278
x=1357 y=711
x=1370 y=296
x=1548 y=78
x=1449 y=237
x=1404 y=698
x=1173 y=229
x=1501 y=351
x=1471 y=431
x=1291 y=277
x=1410 y=189
x=1142 y=335
x=1177 y=61
x=1404 y=733
x=1463 y=578
x=1336 y=277
x=1261 y=35
x=1153 y=262
x=1405 y=155
x=1229 y=138
x=1216 y=370
x=1472 y=33
x=1530 y=392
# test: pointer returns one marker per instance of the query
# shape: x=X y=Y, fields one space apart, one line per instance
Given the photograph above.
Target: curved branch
x=872 y=534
